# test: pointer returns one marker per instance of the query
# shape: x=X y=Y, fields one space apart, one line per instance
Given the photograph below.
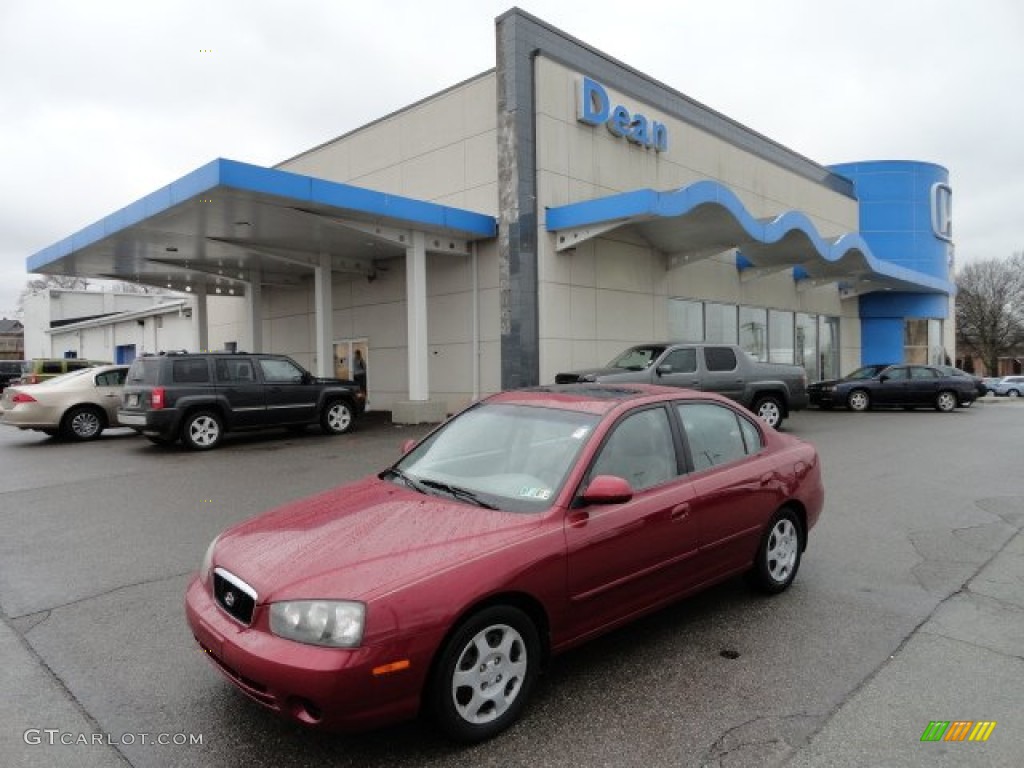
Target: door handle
x=679 y=512
x=578 y=519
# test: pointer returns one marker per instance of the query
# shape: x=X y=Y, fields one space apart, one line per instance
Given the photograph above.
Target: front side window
x=715 y=435
x=640 y=450
x=682 y=360
x=280 y=371
x=513 y=457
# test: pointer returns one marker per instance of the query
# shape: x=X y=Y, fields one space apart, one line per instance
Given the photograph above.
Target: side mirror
x=661 y=370
x=408 y=445
x=608 y=489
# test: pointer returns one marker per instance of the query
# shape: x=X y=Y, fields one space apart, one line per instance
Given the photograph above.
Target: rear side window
x=719 y=359
x=715 y=434
x=235 y=371
x=190 y=371
x=145 y=370
x=110 y=379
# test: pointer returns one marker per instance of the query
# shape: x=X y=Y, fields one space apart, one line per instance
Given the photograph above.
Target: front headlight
x=337 y=624
x=206 y=566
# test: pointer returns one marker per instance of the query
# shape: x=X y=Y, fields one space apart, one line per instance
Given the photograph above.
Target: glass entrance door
x=352 y=361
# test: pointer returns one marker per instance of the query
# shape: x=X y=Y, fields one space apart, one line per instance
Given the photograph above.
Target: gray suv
x=197 y=398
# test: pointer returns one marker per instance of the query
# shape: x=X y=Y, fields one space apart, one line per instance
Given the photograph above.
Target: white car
x=1010 y=386
x=77 y=405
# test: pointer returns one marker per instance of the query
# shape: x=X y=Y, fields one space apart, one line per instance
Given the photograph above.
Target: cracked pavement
x=909 y=607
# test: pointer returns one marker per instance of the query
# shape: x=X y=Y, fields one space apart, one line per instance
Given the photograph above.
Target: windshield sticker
x=580 y=433
x=527 y=492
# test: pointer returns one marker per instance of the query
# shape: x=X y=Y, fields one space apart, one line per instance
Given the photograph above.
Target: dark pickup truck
x=198 y=397
x=771 y=390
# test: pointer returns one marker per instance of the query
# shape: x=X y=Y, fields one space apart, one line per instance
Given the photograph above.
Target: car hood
x=362 y=540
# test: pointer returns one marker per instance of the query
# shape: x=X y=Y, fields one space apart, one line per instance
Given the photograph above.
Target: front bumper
x=819 y=397
x=332 y=688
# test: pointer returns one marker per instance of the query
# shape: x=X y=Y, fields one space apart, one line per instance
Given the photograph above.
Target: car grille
x=232 y=594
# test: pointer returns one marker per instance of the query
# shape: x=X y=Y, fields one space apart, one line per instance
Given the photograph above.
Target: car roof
x=591 y=398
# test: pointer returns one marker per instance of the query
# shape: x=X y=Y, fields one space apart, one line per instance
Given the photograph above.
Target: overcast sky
x=105 y=101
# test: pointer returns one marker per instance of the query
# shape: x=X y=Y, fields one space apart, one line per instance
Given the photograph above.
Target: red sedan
x=529 y=523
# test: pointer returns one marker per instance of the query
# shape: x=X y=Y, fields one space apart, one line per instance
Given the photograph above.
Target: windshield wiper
x=458 y=493
x=407 y=479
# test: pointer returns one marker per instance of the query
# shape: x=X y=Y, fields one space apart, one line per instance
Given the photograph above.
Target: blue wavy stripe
x=850 y=250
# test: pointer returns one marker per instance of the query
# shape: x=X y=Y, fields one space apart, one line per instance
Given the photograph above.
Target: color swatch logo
x=958 y=730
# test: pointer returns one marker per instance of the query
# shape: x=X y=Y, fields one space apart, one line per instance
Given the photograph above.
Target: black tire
x=779 y=554
x=202 y=430
x=83 y=422
x=337 y=417
x=473 y=698
x=945 y=401
x=769 y=409
x=859 y=400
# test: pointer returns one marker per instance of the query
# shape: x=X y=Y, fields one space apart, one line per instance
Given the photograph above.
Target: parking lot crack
x=29 y=621
x=762 y=741
x=98 y=595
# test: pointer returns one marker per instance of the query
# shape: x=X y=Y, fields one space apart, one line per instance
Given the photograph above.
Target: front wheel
x=945 y=402
x=485 y=673
x=859 y=400
x=202 y=431
x=82 y=423
x=778 y=557
x=770 y=411
x=1013 y=393
x=336 y=418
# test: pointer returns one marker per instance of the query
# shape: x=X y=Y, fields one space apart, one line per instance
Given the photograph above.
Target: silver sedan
x=78 y=405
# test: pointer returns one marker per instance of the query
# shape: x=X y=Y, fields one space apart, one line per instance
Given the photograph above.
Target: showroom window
x=685 y=320
x=754 y=332
x=922 y=341
x=828 y=347
x=720 y=323
x=807 y=344
x=780 y=336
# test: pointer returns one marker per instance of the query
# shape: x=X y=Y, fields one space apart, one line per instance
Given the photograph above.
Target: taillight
x=158 y=398
x=21 y=397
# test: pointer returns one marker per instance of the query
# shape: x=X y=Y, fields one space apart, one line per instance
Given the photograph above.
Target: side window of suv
x=278 y=371
x=236 y=371
x=681 y=360
x=719 y=359
x=190 y=371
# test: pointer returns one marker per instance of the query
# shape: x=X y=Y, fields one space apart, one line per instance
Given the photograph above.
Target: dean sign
x=594 y=107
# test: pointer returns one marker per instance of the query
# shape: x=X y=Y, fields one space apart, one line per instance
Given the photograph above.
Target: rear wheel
x=859 y=400
x=485 y=673
x=83 y=422
x=1013 y=393
x=202 y=430
x=769 y=408
x=336 y=418
x=778 y=557
x=945 y=401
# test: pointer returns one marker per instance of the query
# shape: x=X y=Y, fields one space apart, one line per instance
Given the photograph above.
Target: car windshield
x=502 y=456
x=864 y=372
x=637 y=358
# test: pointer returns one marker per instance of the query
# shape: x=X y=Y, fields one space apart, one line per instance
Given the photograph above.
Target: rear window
x=719 y=358
x=144 y=371
x=190 y=371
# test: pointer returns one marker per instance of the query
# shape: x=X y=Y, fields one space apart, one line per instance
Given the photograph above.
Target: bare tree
x=990 y=309
x=44 y=282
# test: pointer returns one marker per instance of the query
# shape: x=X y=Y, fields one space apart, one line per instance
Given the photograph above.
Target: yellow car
x=77 y=405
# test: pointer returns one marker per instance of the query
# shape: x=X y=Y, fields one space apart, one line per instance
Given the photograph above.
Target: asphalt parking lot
x=909 y=607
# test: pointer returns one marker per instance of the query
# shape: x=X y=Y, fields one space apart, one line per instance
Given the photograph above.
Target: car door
x=721 y=372
x=892 y=386
x=736 y=483
x=289 y=394
x=923 y=385
x=238 y=385
x=678 y=368
x=108 y=391
x=622 y=558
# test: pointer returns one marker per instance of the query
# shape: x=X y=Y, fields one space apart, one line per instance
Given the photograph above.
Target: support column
x=254 y=310
x=323 y=287
x=201 y=320
x=419 y=408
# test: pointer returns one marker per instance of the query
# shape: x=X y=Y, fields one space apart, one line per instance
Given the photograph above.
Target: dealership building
x=539 y=217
